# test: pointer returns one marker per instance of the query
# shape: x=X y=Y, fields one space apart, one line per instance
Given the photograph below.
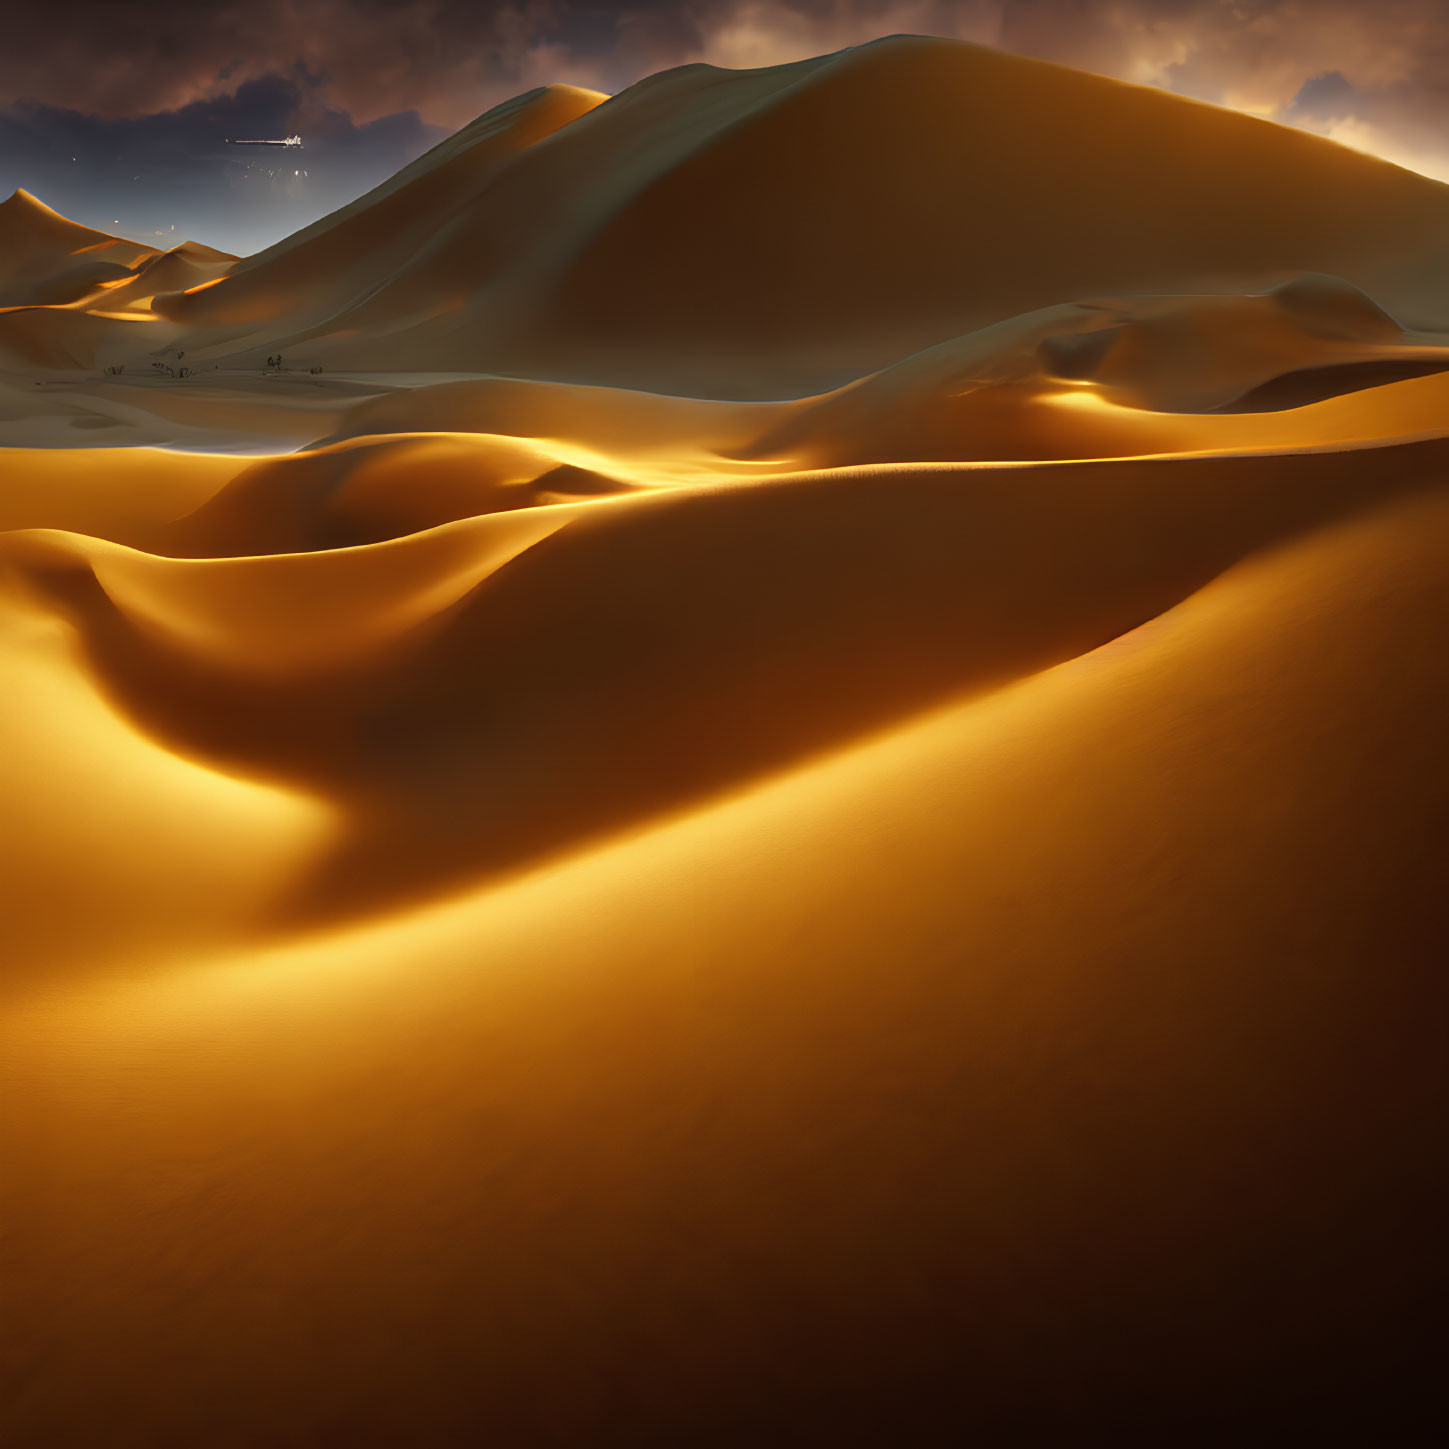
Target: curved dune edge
x=478 y=696
x=974 y=909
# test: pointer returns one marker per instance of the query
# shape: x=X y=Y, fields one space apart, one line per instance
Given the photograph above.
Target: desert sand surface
x=785 y=785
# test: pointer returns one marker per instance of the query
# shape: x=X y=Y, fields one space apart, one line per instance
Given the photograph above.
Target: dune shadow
x=1319 y=384
x=671 y=648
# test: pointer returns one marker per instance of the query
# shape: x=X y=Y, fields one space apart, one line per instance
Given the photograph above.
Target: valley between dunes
x=785 y=785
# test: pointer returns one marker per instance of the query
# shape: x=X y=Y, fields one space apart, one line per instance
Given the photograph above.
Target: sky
x=118 y=113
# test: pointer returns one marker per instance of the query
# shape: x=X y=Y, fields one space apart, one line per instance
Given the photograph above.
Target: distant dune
x=47 y=260
x=774 y=232
x=757 y=763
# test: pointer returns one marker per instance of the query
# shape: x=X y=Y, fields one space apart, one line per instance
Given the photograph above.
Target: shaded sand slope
x=698 y=215
x=1062 y=1065
x=348 y=255
x=40 y=339
x=233 y=413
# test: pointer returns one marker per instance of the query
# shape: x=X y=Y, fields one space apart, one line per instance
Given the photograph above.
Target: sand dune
x=343 y=259
x=799 y=800
x=1068 y=1030
x=697 y=215
x=46 y=259
x=190 y=264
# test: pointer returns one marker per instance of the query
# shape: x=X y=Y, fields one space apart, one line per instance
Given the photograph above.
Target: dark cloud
x=448 y=59
x=1374 y=73
x=1324 y=97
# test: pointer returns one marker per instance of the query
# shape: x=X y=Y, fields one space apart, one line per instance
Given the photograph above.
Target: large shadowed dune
x=338 y=262
x=700 y=220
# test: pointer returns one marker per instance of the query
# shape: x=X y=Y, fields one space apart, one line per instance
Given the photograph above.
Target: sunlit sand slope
x=852 y=854
x=1079 y=1045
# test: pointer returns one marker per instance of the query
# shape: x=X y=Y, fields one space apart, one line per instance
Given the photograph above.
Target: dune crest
x=728 y=768
x=46 y=259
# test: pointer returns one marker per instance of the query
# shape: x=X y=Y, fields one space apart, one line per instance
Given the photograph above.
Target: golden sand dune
x=48 y=263
x=1064 y=1046
x=46 y=259
x=189 y=264
x=799 y=801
